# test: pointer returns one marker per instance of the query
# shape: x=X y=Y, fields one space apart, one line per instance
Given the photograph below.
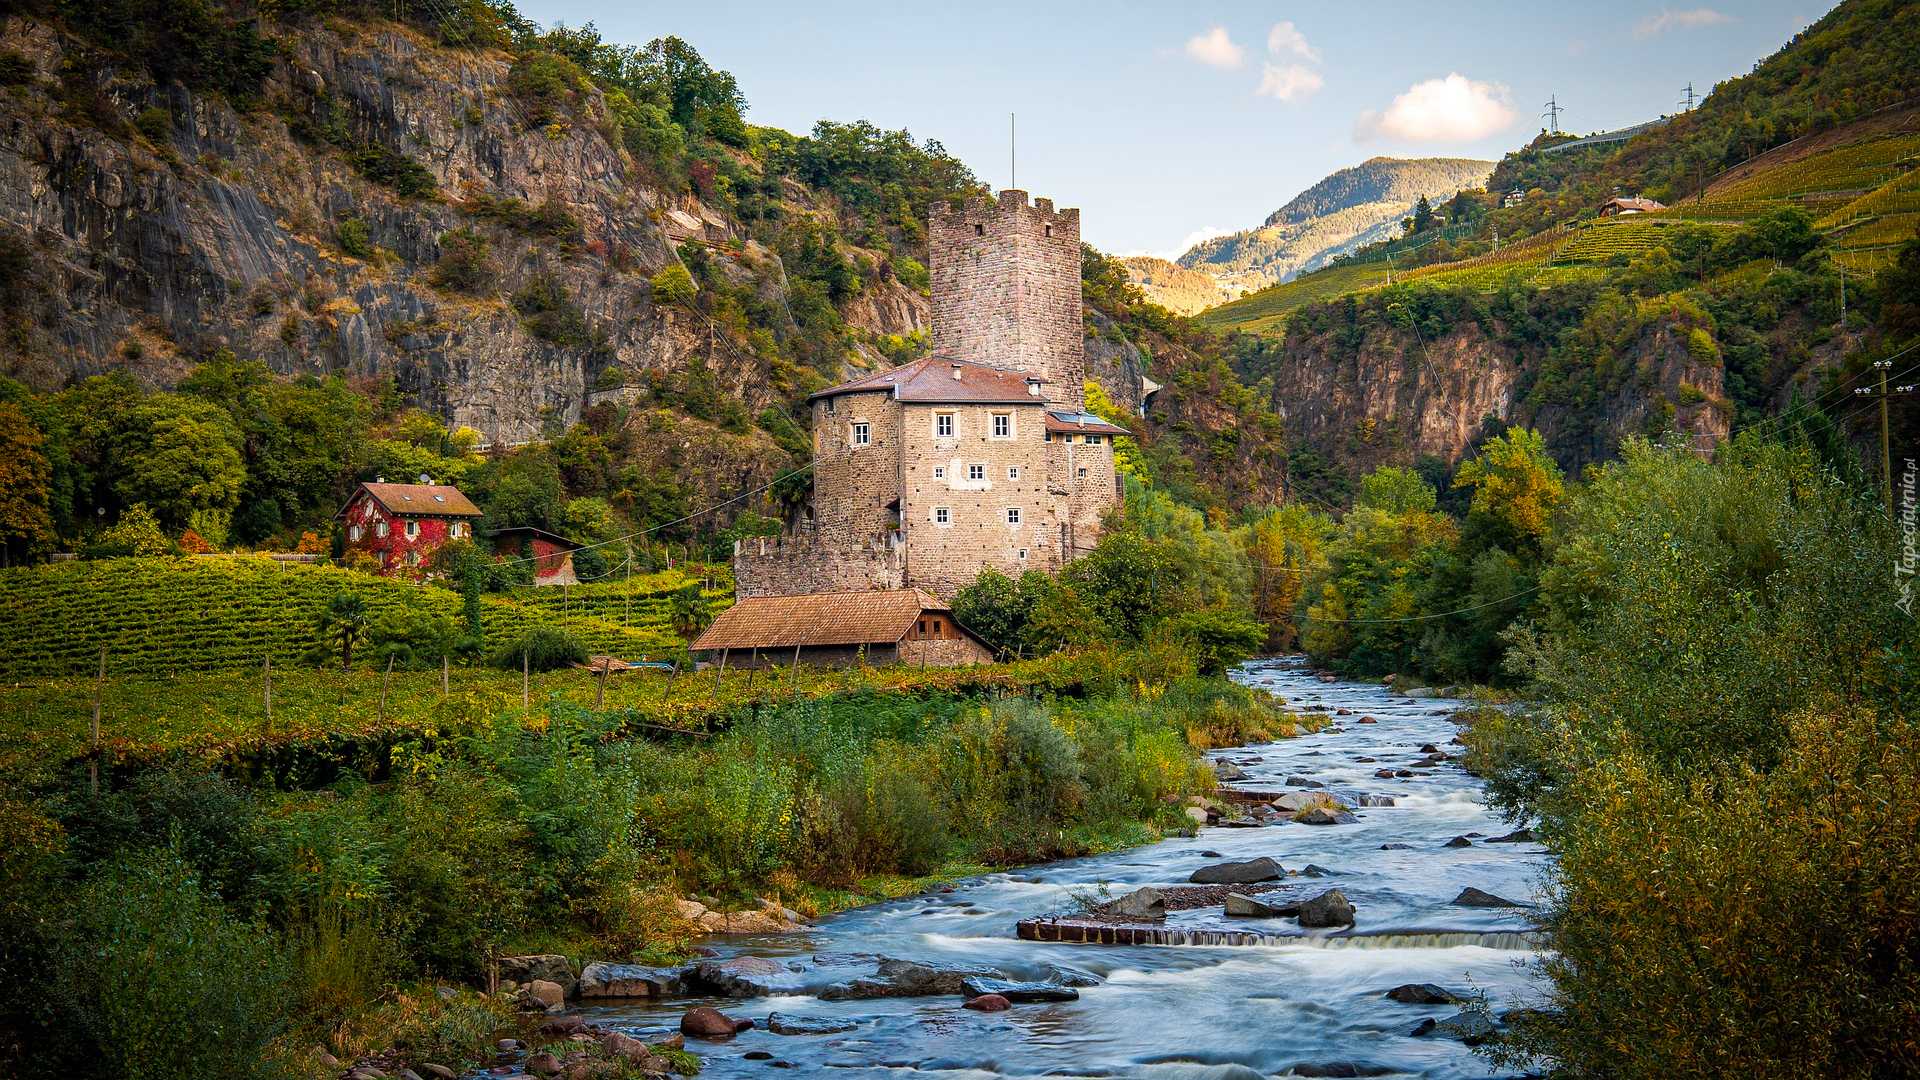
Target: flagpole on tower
x=1013 y=151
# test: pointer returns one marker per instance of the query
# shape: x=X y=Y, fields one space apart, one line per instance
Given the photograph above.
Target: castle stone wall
x=1006 y=289
x=942 y=558
x=852 y=485
x=790 y=565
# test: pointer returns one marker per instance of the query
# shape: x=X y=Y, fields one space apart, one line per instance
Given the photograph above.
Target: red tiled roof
x=782 y=622
x=932 y=379
x=421 y=500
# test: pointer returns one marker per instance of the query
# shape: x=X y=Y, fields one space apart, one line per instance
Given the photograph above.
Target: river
x=1305 y=1003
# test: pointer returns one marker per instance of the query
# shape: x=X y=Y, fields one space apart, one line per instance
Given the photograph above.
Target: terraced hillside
x=207 y=615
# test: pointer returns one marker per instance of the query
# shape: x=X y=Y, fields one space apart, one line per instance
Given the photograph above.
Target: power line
x=1554 y=109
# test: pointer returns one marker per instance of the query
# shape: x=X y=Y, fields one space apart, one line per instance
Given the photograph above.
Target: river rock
x=1343 y=712
x=909 y=978
x=1383 y=774
x=1223 y=770
x=808 y=1025
x=1375 y=800
x=1147 y=903
x=544 y=1064
x=1396 y=847
x=627 y=1048
x=1458 y=841
x=744 y=976
x=1321 y=815
x=1068 y=975
x=988 y=1003
x=756 y=1055
x=1523 y=836
x=1020 y=992
x=746 y=922
x=550 y=967
x=1419 y=692
x=1366 y=720
x=1316 y=870
x=1421 y=994
x=438 y=1072
x=710 y=1023
x=1472 y=897
x=1238 y=873
x=1294 y=801
x=1248 y=907
x=563 y=1025
x=1470 y=1028
x=601 y=979
x=1330 y=908
x=1198 y=814
x=1302 y=782
x=547 y=993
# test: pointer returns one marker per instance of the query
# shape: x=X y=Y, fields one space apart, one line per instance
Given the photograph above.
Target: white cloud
x=1215 y=49
x=1197 y=236
x=1287 y=38
x=1453 y=109
x=1289 y=81
x=1679 y=20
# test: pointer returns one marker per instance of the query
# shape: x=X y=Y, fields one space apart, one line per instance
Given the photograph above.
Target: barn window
x=1002 y=425
x=943 y=425
x=923 y=626
x=1013 y=515
x=862 y=434
x=936 y=626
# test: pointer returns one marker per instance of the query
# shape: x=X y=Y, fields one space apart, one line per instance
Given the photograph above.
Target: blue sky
x=1164 y=121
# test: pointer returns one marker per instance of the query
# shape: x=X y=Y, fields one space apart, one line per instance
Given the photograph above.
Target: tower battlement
x=1006 y=288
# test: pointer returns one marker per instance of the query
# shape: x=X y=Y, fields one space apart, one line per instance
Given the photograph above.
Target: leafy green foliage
x=465 y=263
x=390 y=168
x=539 y=648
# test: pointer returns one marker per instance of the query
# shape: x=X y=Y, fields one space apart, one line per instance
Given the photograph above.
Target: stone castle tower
x=1006 y=290
x=979 y=455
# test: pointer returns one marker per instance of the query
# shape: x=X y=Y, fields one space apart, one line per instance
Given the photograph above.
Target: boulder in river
x=549 y=994
x=988 y=1003
x=1303 y=782
x=1238 y=873
x=744 y=977
x=543 y=1064
x=1247 y=907
x=1374 y=800
x=710 y=1023
x=1470 y=1028
x=909 y=978
x=808 y=1025
x=604 y=980
x=1396 y=847
x=1421 y=994
x=1367 y=720
x=1383 y=774
x=1419 y=692
x=550 y=967
x=1226 y=770
x=1321 y=815
x=1458 y=841
x=1330 y=908
x=1020 y=992
x=1472 y=897
x=1068 y=975
x=1147 y=903
x=1522 y=836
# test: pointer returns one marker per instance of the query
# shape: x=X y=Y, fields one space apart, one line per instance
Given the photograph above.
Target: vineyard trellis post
x=444 y=665
x=719 y=674
x=93 y=767
x=600 y=687
x=671 y=675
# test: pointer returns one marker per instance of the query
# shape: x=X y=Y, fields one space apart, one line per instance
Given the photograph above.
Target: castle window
x=942 y=515
x=862 y=434
x=1013 y=515
x=1002 y=425
x=1013 y=472
x=939 y=472
x=976 y=472
x=943 y=425
x=1049 y=233
x=1083 y=474
x=1023 y=554
x=979 y=230
x=828 y=408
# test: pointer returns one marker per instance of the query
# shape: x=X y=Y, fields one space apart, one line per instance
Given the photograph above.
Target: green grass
x=1268 y=308
x=1602 y=240
x=1858 y=166
x=188 y=616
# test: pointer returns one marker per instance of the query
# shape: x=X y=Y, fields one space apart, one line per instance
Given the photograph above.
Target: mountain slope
x=1352 y=207
x=1186 y=292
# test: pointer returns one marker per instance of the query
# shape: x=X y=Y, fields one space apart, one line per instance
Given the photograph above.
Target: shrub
x=549 y=313
x=164 y=982
x=136 y=534
x=153 y=124
x=673 y=285
x=464 y=264
x=352 y=236
x=544 y=647
x=391 y=168
x=1218 y=639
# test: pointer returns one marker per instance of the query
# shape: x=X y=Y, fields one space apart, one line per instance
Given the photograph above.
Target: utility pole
x=1689 y=101
x=1886 y=446
x=1553 y=115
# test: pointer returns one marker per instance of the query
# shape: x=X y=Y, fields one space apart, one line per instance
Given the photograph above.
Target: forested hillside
x=1352 y=207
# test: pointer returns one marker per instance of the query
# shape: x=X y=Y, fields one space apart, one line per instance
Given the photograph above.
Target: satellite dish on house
x=425 y=479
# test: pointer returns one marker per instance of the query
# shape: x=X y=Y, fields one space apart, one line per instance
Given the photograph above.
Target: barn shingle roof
x=430 y=500
x=782 y=622
x=931 y=379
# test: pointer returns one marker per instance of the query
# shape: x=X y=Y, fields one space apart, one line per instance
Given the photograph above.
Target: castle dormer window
x=939 y=472
x=1013 y=472
x=863 y=434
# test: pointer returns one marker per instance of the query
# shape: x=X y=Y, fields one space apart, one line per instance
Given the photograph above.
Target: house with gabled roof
x=401 y=525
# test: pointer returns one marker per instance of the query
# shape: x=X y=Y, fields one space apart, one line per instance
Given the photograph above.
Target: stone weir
x=1094 y=932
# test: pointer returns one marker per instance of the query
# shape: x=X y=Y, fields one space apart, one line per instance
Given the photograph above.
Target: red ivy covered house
x=400 y=525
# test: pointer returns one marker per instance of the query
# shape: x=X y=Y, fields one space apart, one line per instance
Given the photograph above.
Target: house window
x=1049 y=436
x=923 y=626
x=353 y=532
x=942 y=515
x=862 y=434
x=380 y=529
x=1093 y=440
x=828 y=409
x=1013 y=515
x=976 y=472
x=1013 y=472
x=1068 y=439
x=413 y=529
x=939 y=472
x=457 y=530
x=1002 y=425
x=943 y=425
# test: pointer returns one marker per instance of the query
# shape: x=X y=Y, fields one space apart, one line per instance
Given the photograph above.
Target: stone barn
x=903 y=626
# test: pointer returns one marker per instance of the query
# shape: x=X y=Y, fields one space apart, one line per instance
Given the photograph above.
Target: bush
x=1218 y=639
x=544 y=648
x=164 y=983
x=391 y=168
x=673 y=285
x=464 y=264
x=352 y=236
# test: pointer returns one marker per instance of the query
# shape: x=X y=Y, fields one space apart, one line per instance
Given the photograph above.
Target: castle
x=979 y=455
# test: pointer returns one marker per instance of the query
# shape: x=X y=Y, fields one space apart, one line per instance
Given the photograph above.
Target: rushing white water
x=1304 y=1003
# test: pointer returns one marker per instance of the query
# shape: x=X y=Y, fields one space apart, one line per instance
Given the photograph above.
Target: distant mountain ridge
x=1187 y=292
x=1349 y=209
